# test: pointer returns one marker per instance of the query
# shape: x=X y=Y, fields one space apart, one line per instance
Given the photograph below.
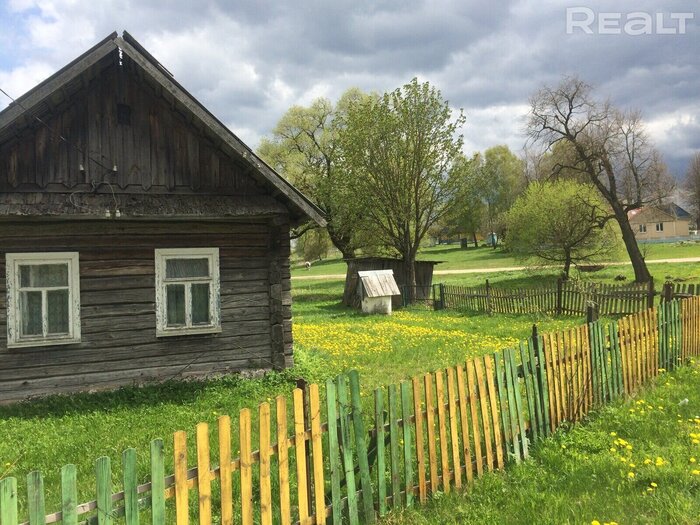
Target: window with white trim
x=659 y=226
x=43 y=299
x=642 y=228
x=187 y=291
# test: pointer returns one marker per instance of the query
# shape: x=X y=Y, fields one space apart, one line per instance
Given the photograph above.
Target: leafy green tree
x=305 y=148
x=402 y=146
x=467 y=212
x=560 y=221
x=501 y=181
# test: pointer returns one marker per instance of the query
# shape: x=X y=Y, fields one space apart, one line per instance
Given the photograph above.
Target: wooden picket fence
x=344 y=458
x=560 y=298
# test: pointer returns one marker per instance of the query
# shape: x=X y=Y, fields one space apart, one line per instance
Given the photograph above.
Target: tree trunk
x=567 y=264
x=641 y=272
x=476 y=243
x=409 y=260
x=341 y=241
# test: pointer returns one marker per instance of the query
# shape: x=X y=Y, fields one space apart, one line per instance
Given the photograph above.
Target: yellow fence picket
x=430 y=418
x=317 y=449
x=300 y=455
x=225 y=470
x=203 y=475
x=265 y=474
x=283 y=461
x=182 y=508
x=244 y=429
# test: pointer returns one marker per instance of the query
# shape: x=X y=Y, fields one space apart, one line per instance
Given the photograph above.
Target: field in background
x=455 y=258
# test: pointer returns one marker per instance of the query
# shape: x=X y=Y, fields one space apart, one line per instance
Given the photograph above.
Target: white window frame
x=659 y=226
x=12 y=263
x=161 y=256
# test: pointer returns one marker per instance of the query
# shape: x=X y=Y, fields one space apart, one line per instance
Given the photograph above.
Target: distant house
x=658 y=223
x=141 y=240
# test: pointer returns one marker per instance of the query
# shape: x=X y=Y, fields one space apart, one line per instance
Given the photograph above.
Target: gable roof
x=672 y=210
x=379 y=283
x=37 y=100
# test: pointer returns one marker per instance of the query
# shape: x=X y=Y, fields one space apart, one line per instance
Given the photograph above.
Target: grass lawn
x=411 y=341
x=49 y=433
x=455 y=258
x=633 y=462
x=661 y=273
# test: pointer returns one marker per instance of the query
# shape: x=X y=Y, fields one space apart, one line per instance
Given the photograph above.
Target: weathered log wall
x=119 y=344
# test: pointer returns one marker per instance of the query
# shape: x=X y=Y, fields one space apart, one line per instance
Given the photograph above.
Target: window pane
x=200 y=303
x=176 y=304
x=30 y=313
x=42 y=275
x=57 y=311
x=179 y=268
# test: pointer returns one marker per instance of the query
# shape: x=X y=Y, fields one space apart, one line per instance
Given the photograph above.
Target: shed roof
x=39 y=100
x=379 y=283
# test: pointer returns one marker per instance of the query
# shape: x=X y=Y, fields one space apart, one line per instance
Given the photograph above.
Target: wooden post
x=591 y=313
x=560 y=292
x=667 y=294
x=304 y=387
x=489 y=309
x=442 y=296
x=650 y=294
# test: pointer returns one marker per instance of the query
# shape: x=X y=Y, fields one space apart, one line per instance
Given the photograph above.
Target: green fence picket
x=607 y=360
x=157 y=483
x=503 y=401
x=361 y=448
x=536 y=389
x=346 y=447
x=595 y=363
x=529 y=391
x=69 y=495
x=103 y=474
x=131 y=498
x=35 y=493
x=518 y=404
x=406 y=401
x=8 y=501
x=543 y=385
x=334 y=452
x=615 y=359
x=512 y=411
x=394 y=447
x=381 y=454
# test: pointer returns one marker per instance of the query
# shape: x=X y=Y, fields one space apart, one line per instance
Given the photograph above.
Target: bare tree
x=692 y=185
x=611 y=150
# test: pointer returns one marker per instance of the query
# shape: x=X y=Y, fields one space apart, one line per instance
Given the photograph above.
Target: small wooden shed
x=424 y=277
x=376 y=289
x=140 y=239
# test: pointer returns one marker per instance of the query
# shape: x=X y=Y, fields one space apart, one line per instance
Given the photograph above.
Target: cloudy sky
x=250 y=60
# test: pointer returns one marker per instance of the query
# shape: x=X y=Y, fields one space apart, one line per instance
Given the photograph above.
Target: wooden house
x=668 y=222
x=141 y=240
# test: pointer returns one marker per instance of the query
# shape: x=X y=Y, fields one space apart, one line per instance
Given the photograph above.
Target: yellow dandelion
x=630 y=475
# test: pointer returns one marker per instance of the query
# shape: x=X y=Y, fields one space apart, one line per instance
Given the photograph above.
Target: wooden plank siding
x=119 y=344
x=156 y=149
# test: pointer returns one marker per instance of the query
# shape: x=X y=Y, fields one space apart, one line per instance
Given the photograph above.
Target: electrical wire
x=59 y=137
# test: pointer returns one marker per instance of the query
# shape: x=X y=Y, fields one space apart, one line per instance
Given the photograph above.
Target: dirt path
x=502 y=269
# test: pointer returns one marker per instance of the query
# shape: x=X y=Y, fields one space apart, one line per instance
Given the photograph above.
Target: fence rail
x=344 y=459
